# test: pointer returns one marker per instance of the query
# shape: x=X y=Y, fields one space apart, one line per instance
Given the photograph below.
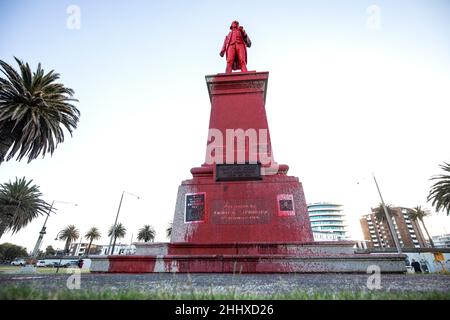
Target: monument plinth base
x=242 y=211
x=244 y=214
x=314 y=257
x=244 y=201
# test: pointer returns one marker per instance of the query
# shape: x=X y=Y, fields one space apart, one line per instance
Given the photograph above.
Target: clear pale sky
x=353 y=89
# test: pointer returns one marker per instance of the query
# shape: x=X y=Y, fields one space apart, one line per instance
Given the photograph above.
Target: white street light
x=43 y=230
x=389 y=220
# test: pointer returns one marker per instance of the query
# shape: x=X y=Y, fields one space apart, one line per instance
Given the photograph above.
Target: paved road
x=266 y=284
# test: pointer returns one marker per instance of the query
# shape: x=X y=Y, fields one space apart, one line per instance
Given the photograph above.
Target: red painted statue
x=235 y=47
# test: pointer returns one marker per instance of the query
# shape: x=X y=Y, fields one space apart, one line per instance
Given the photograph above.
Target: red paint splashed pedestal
x=269 y=208
x=241 y=212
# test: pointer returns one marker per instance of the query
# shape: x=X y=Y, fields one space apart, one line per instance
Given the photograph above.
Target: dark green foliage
x=440 y=191
x=34 y=109
x=20 y=203
x=9 y=252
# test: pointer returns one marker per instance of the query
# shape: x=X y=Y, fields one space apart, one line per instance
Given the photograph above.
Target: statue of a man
x=235 y=47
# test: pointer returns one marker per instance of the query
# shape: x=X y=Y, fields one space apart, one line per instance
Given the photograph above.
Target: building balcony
x=319 y=218
x=315 y=214
x=327 y=223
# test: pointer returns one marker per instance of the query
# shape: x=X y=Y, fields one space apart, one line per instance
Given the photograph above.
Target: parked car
x=66 y=264
x=43 y=263
x=18 y=262
x=40 y=263
x=71 y=264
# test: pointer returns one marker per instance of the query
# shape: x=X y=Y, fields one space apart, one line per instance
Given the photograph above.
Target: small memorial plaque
x=238 y=172
x=194 y=207
x=285 y=205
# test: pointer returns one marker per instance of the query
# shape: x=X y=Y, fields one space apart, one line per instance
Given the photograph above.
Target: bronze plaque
x=238 y=172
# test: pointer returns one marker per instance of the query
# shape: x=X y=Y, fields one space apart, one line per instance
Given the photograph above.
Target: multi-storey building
x=79 y=249
x=328 y=218
x=442 y=241
x=378 y=234
x=119 y=248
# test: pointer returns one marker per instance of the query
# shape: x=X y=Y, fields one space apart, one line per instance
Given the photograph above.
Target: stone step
x=339 y=263
x=297 y=249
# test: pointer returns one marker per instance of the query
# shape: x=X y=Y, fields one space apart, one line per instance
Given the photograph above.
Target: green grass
x=40 y=270
x=28 y=293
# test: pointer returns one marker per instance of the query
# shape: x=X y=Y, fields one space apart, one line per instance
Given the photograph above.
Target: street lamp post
x=389 y=220
x=113 y=233
x=41 y=235
x=60 y=259
x=43 y=230
x=79 y=244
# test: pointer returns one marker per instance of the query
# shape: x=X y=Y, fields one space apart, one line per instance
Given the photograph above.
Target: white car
x=43 y=263
x=18 y=262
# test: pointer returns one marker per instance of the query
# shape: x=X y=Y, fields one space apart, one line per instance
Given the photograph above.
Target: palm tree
x=20 y=203
x=169 y=230
x=380 y=214
x=147 y=233
x=70 y=233
x=440 y=191
x=33 y=110
x=417 y=215
x=91 y=235
x=118 y=233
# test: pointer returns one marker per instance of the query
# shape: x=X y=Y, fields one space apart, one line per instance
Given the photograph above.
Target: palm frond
x=169 y=230
x=34 y=110
x=70 y=233
x=146 y=233
x=380 y=214
x=119 y=231
x=22 y=201
x=93 y=234
x=439 y=194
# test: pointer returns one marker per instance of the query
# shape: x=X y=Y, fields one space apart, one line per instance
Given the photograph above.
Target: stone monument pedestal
x=241 y=212
x=240 y=194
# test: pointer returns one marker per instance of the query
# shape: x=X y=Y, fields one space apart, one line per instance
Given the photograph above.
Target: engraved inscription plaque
x=194 y=210
x=243 y=211
x=238 y=172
